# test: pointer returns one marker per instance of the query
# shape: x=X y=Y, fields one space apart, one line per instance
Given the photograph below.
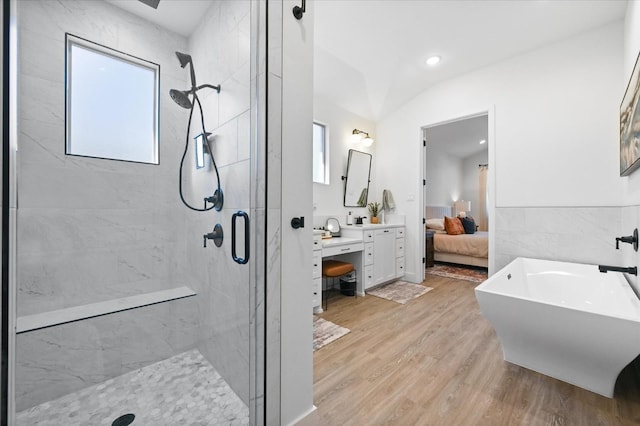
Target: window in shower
x=111 y=103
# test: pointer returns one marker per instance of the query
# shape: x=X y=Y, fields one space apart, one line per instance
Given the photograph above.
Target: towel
x=362 y=201
x=387 y=200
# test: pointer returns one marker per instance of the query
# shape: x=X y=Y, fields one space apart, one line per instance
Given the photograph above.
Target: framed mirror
x=356 y=186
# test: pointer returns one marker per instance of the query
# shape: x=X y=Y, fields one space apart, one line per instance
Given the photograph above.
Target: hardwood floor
x=437 y=361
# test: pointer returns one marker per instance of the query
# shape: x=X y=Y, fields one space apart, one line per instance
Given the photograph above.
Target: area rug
x=325 y=332
x=399 y=291
x=459 y=273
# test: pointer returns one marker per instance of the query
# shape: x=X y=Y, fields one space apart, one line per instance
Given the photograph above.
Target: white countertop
x=339 y=241
x=374 y=226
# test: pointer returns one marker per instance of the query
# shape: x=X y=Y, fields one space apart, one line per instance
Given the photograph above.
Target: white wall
x=328 y=199
x=444 y=177
x=554 y=142
x=631 y=213
x=297 y=196
x=631 y=49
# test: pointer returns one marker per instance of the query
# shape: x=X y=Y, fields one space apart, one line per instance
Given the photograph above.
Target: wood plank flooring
x=437 y=361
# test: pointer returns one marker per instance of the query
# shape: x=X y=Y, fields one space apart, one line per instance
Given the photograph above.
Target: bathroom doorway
x=458 y=182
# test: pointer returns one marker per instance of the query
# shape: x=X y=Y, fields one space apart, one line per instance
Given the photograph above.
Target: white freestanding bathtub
x=565 y=320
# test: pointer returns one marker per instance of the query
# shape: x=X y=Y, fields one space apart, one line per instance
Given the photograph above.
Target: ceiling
x=370 y=55
x=179 y=16
x=459 y=138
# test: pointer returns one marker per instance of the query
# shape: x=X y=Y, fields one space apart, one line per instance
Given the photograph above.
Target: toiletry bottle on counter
x=349 y=219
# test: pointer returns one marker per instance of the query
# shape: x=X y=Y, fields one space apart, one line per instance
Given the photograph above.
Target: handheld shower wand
x=181 y=97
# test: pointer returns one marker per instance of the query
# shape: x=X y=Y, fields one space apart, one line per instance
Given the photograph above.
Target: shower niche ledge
x=76 y=313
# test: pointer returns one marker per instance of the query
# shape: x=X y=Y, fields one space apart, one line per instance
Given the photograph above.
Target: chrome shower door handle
x=234 y=220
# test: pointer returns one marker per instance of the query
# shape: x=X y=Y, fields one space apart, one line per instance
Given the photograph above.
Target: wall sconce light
x=360 y=136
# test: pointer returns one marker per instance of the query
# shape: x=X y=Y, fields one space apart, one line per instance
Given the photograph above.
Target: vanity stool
x=335 y=269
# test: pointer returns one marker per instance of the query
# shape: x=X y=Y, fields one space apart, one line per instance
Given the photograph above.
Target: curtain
x=483 y=216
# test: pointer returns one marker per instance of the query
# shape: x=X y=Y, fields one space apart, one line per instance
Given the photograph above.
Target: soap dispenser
x=349 y=219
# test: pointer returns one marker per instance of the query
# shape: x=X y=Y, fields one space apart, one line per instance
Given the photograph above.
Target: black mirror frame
x=346 y=179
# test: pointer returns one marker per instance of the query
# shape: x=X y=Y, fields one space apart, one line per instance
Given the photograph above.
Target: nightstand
x=429 y=249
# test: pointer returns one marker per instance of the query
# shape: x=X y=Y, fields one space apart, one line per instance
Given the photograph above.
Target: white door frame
x=491 y=181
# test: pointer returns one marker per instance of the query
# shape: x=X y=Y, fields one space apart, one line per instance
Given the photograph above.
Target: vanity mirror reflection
x=356 y=187
x=333 y=226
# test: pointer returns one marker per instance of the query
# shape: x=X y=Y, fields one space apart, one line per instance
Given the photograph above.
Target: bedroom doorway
x=457 y=179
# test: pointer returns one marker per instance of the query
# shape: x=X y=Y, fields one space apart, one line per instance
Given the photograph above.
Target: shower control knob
x=217 y=236
x=631 y=239
x=217 y=199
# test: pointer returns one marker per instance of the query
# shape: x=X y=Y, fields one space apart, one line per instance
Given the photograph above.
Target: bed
x=464 y=249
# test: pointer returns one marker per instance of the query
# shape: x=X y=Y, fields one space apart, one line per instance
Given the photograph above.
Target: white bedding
x=475 y=245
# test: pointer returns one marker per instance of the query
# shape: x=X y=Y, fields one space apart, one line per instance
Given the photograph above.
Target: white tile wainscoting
x=569 y=234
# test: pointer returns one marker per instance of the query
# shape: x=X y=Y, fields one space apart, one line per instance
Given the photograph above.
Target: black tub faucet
x=633 y=270
x=631 y=239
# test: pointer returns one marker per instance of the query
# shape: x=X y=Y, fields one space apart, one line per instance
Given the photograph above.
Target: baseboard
x=304 y=416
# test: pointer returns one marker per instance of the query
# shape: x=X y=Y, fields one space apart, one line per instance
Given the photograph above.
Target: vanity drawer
x=368 y=236
x=368 y=254
x=399 y=247
x=399 y=266
x=317 y=264
x=368 y=276
x=316 y=292
x=317 y=242
x=399 y=232
x=342 y=249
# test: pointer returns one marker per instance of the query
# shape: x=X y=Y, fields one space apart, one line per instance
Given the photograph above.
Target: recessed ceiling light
x=483 y=141
x=433 y=60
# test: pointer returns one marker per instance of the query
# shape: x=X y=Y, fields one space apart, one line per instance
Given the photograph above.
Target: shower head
x=181 y=97
x=183 y=58
x=184 y=61
x=152 y=3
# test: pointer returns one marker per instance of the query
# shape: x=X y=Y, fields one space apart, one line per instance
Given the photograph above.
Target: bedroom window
x=111 y=103
x=320 y=154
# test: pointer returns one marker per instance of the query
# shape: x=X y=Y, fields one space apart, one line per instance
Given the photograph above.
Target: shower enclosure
x=122 y=315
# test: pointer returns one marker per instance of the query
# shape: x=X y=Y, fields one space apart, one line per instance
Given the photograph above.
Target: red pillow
x=453 y=226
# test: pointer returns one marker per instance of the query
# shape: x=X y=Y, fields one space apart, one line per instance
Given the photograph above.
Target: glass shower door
x=123 y=315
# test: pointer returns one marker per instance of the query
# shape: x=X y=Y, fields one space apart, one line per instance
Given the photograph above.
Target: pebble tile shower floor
x=182 y=390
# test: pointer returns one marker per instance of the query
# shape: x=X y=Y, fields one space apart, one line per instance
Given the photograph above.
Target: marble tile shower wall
x=92 y=230
x=571 y=234
x=223 y=286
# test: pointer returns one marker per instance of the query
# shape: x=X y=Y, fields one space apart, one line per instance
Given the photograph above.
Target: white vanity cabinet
x=316 y=284
x=399 y=252
x=369 y=253
x=383 y=254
